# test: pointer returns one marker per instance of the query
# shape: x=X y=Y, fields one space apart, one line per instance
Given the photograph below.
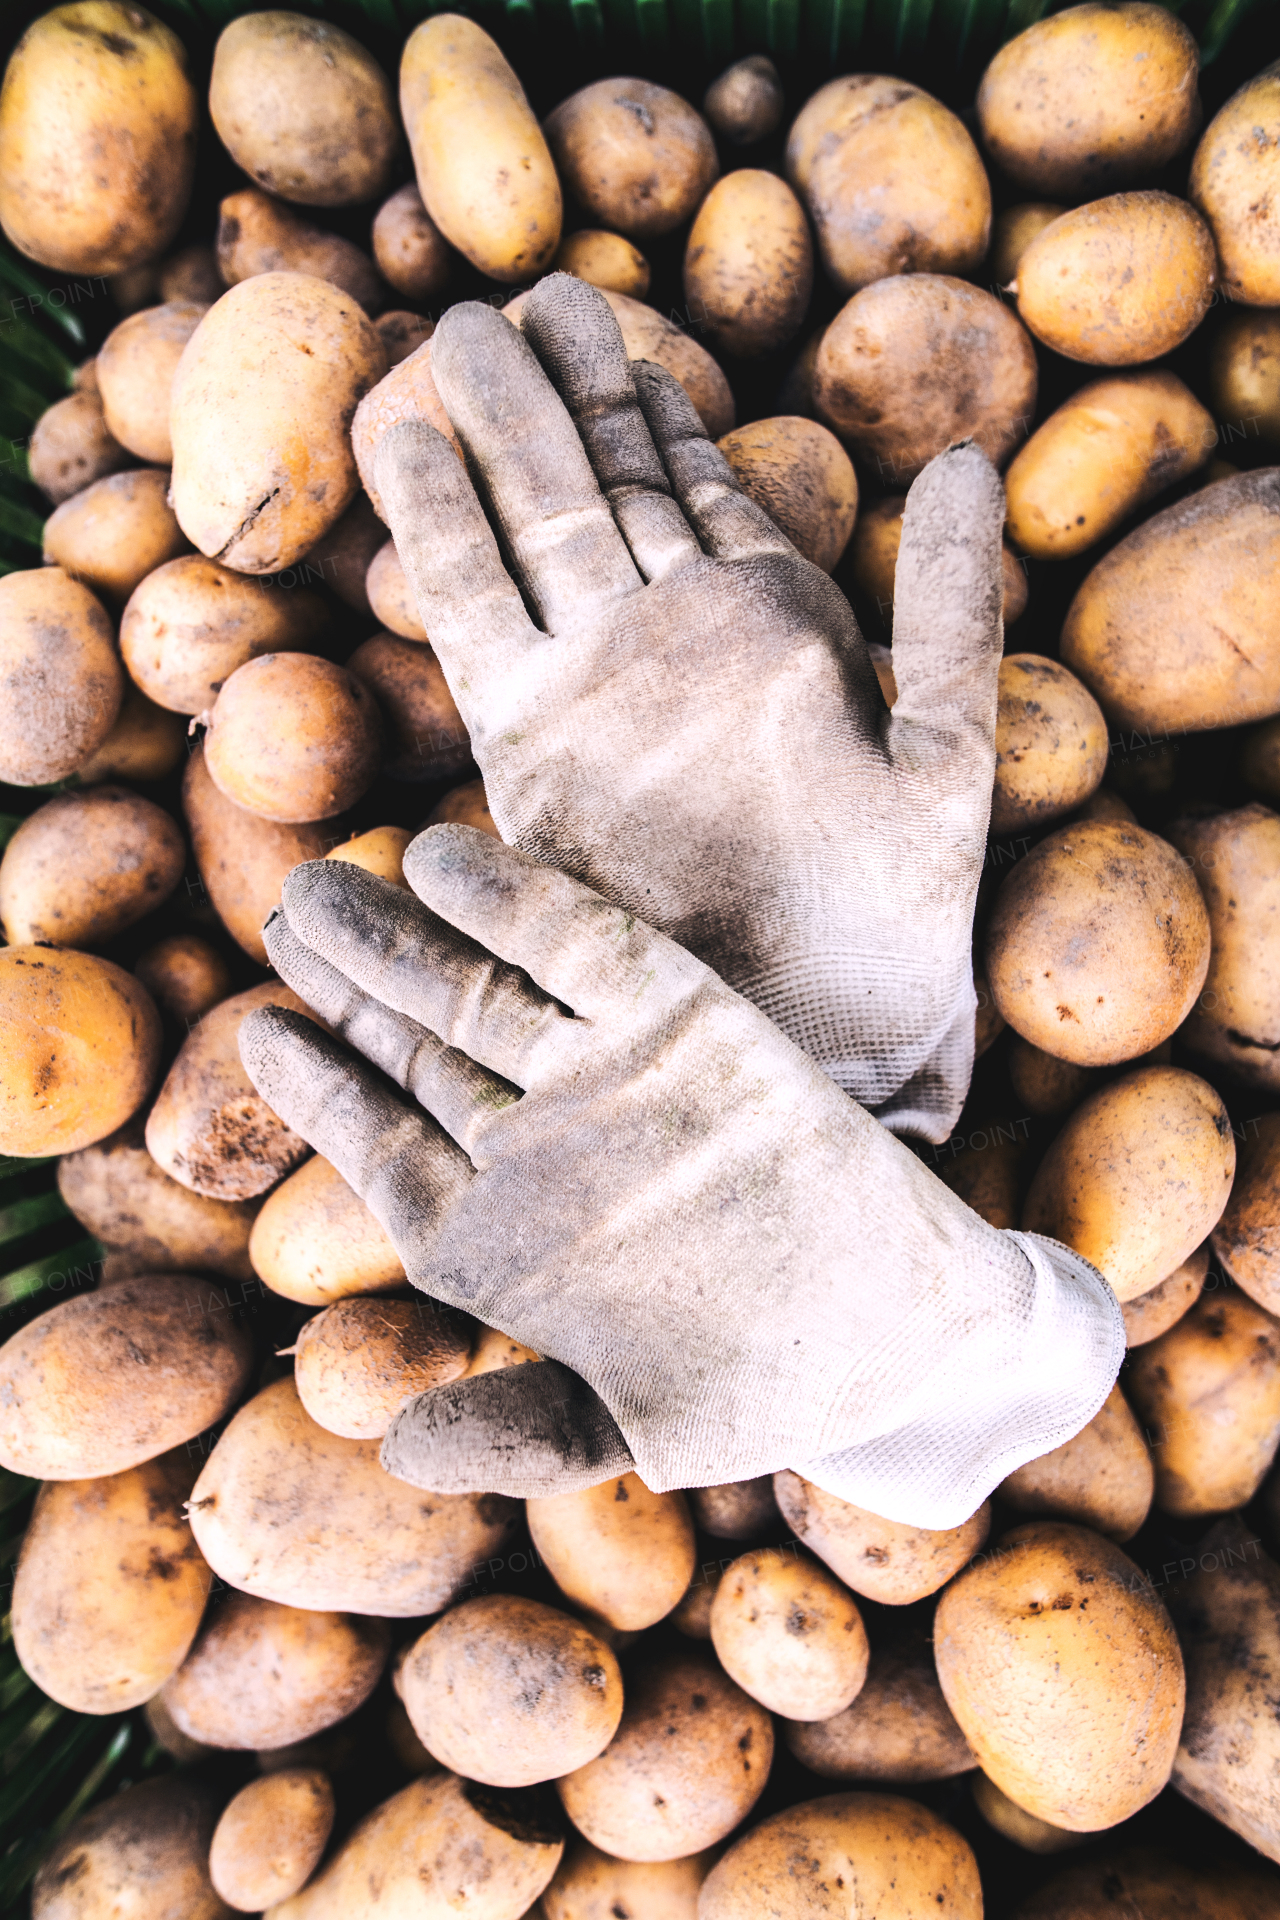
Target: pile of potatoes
x=739 y=1701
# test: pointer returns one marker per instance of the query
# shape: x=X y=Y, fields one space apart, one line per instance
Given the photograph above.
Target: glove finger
x=525 y=1431
x=530 y=464
x=729 y=524
x=572 y=329
x=405 y=1169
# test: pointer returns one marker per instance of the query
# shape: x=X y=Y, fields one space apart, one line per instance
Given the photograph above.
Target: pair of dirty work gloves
x=628 y=1087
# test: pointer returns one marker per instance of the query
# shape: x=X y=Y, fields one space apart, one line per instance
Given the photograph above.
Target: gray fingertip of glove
x=526 y=1431
x=959 y=487
x=409 y=456
x=666 y=406
x=451 y=857
x=561 y=301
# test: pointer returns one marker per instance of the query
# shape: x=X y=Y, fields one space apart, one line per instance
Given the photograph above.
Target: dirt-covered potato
x=1095 y=98
x=107 y=1380
x=257 y=234
x=1051 y=743
x=115 y=532
x=146 y=743
x=291 y=1513
x=620 y=1551
x=748 y=263
x=802 y=477
x=109 y=1587
x=391 y=598
x=885 y=1560
x=72 y=446
x=646 y=335
x=412 y=254
x=1120 y=280
x=790 y=1634
x=1236 y=860
x=293 y=738
x=86 y=865
x=737 y=1509
x=466 y=806
x=98 y=122
x=261 y=414
x=1152 y=1313
x=1012 y=232
x=81 y=1049
x=1208 y=1392
x=745 y=103
x=1235 y=178
x=136 y=364
x=1063 y=1670
x=191 y=623
x=899 y=1730
x=1102 y=1478
x=589 y=1885
x=407 y=392
x=315 y=1240
x=635 y=155
x=898 y=1860
x=918 y=361
x=381 y=851
x=892 y=181
x=1247 y=1237
x=1155 y=1884
x=116 y=1191
x=358 y=1361
x=873 y=556
x=243 y=859
x=425 y=735
x=271 y=1837
x=401 y=334
x=145 y=1849
x=185 y=976
x=603 y=260
x=1110 y=448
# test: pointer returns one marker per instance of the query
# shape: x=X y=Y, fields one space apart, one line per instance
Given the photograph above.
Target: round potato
x=748 y=263
x=98 y=122
x=407 y=392
x=467 y=806
x=1152 y=1313
x=401 y=333
x=918 y=361
x=1047 y=1087
x=1102 y=1478
x=589 y=1885
x=635 y=155
x=191 y=623
x=1235 y=181
x=86 y=865
x=257 y=234
x=358 y=1361
x=892 y=181
x=1236 y=859
x=885 y=1560
x=1259 y=761
x=136 y=364
x=803 y=478
x=116 y=1191
x=82 y=1045
x=790 y=1634
x=735 y=1510
x=146 y=743
x=1051 y=743
x=72 y=446
x=1244 y=374
x=620 y=1551
x=1119 y=281
x=746 y=102
x=148 y=1843
x=185 y=976
x=292 y=738
x=413 y=255
x=114 y=533
x=1247 y=1237
x=898 y=1731
x=603 y=260
x=873 y=556
x=271 y=1837
x=315 y=1240
x=1024 y=1829
x=391 y=598
x=427 y=739
x=1012 y=232
x=242 y=859
x=380 y=851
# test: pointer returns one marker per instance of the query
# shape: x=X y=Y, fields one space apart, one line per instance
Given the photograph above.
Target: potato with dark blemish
x=789 y=1633
x=1051 y=743
x=358 y=1361
x=153 y=1836
x=635 y=155
x=82 y=1045
x=315 y=1241
x=413 y=255
x=71 y=446
x=426 y=737
x=1235 y=182
x=115 y=532
x=885 y=1560
x=293 y=738
x=1236 y=1021
x=803 y=478
x=748 y=263
x=1247 y=1237
x=590 y=1885
x=85 y=866
x=117 y=1192
x=1244 y=375
x=745 y=103
x=617 y=1549
x=257 y=234
x=899 y=1730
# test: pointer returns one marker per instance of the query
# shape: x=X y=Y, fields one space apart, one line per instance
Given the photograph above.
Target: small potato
x=72 y=447
x=191 y=623
x=1244 y=375
x=136 y=365
x=413 y=255
x=647 y=336
x=242 y=859
x=257 y=234
x=1259 y=760
x=292 y=738
x=109 y=1587
x=1098 y=944
x=790 y=1634
x=271 y=1837
x=146 y=743
x=401 y=334
x=267 y=1676
x=380 y=851
x=466 y=806
x=150 y=1841
x=1049 y=1088
x=107 y=1380
x=692 y=1616
x=408 y=392
x=603 y=260
x=736 y=1510
x=745 y=103
x=885 y=1560
x=988 y=1022
x=1110 y=448
x=493 y=1350
x=1051 y=743
x=897 y=1859
x=915 y=363
x=426 y=737
x=1209 y=1393
x=391 y=598
x=899 y=1730
x=804 y=480
x=617 y=1549
x=1236 y=860
x=1235 y=181
x=1102 y=1478
x=874 y=559
x=892 y=181
x=185 y=976
x=84 y=866
x=589 y=1885
x=116 y=1191
x=358 y=1361
x=1119 y=281
x=1095 y=98
x=635 y=155
x=1012 y=233
x=303 y=109
x=1247 y=1237
x=748 y=263
x=688 y=1762
x=82 y=1045
x=1162 y=1306
x=191 y=274
x=315 y=1240
x=115 y=532
x=987 y=1175
x=1024 y=1829
x=341 y=557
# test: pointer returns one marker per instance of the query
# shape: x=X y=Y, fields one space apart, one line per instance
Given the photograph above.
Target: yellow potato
x=391 y=598
x=899 y=1730
x=191 y=623
x=257 y=234
x=467 y=806
x=635 y=155
x=1247 y=1237
x=136 y=364
x=1152 y=1313
x=746 y=102
x=357 y=1362
x=151 y=1840
x=589 y=1885
x=603 y=260
x=1235 y=182
x=1236 y=859
x=146 y=743
x=116 y=1191
x=748 y=263
x=82 y=1045
x=72 y=446
x=413 y=255
x=315 y=1241
x=1244 y=376
x=803 y=478
x=114 y=533
x=873 y=558
x=493 y=1350
x=379 y=851
x=1024 y=1829
x=622 y=1552
x=1051 y=743
x=185 y=976
x=735 y=1510
x=292 y=738
x=243 y=859
x=271 y=1837
x=84 y=866
x=1102 y=1478
x=790 y=1634
x=1012 y=232
x=1259 y=761
x=886 y=1560
x=425 y=738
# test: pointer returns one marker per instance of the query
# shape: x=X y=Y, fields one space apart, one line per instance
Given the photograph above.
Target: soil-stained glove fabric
x=603 y=1150
x=669 y=703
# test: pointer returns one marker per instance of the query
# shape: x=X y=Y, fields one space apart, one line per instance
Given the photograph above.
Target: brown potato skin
x=190 y=274
x=391 y=598
x=358 y=1361
x=918 y=361
x=1244 y=375
x=1234 y=176
x=191 y=623
x=257 y=234
x=603 y=260
x=1152 y=1313
x=790 y=1634
x=1259 y=761
x=149 y=1844
x=82 y=1045
x=109 y=1587
x=1145 y=1881
x=341 y=557
x=1247 y=1237
x=115 y=532
x=271 y=1837
x=635 y=155
x=115 y=1190
x=899 y=1730
x=748 y=263
x=885 y=1560
x=402 y=333
x=466 y=806
x=987 y=1177
x=315 y=1240
x=136 y=364
x=185 y=976
x=243 y=859
x=426 y=738
x=745 y=103
x=413 y=255
x=891 y=179
x=293 y=738
x=86 y=865
x=72 y=446
x=803 y=479
x=1051 y=743
x=589 y=1885
x=1048 y=1087
x=735 y=1510
x=1102 y=1478
x=1236 y=860
x=146 y=743
x=617 y=1549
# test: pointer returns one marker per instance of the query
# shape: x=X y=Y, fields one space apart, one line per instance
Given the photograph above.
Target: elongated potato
x=114 y=533
x=899 y=1729
x=803 y=478
x=884 y=1559
x=1244 y=376
x=748 y=263
x=72 y=446
x=484 y=169
x=315 y=1240
x=622 y=1552
x=603 y=260
x=1235 y=182
x=257 y=234
x=116 y=1191
x=243 y=859
x=635 y=155
x=589 y=1885
x=271 y=1837
x=790 y=1634
x=292 y=738
x=407 y=392
x=150 y=1841
x=1236 y=860
x=185 y=976
x=85 y=866
x=82 y=1045
x=136 y=364
x=191 y=623
x=873 y=555
x=1051 y=743
x=1152 y=1313
x=358 y=1361
x=98 y=123
x=413 y=255
x=426 y=738
x=1103 y=1478
x=1247 y=1237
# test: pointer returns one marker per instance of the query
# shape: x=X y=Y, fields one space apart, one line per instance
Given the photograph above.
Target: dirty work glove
x=669 y=703
x=606 y=1152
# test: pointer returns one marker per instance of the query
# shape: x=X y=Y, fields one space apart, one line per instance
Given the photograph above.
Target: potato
x=884 y=1559
x=292 y=738
x=191 y=623
x=1236 y=860
x=891 y=179
x=484 y=169
x=191 y=274
x=1247 y=1237
x=291 y=1513
x=1259 y=759
x=589 y=1885
x=692 y=1614
x=257 y=234
x=1097 y=97
x=391 y=598
x=208 y=1128
x=408 y=392
x=105 y=1381
x=918 y=361
x=466 y=806
x=874 y=560
x=136 y=365
x=82 y=1045
x=804 y=480
x=116 y=1191
x=1234 y=180
x=647 y=336
x=635 y=155
x=115 y=532
x=1012 y=232
x=1051 y=743
x=1119 y=281
x=493 y=1350
x=617 y=1549
x=1151 y=1883
x=1209 y=1393
x=109 y=1586
x=899 y=1730
x=688 y=1762
x=185 y=976
x=242 y=859
x=736 y=1510
x=71 y=447
x=401 y=334
x=1162 y=1306
x=98 y=125
x=987 y=1175
x=1063 y=1670
x=897 y=1860
x=315 y=1240
x=426 y=737
x=1024 y=1829
x=745 y=103
x=748 y=263
x=251 y=487
x=1244 y=374
x=790 y=1634
x=1047 y=1087
x=379 y=851
x=1098 y=944
x=303 y=109
x=413 y=255
x=358 y=1361
x=84 y=866
x=1111 y=447
x=1102 y=1478
x=603 y=260
x=271 y=1837
x=988 y=1022
x=146 y=743
x=145 y=1848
